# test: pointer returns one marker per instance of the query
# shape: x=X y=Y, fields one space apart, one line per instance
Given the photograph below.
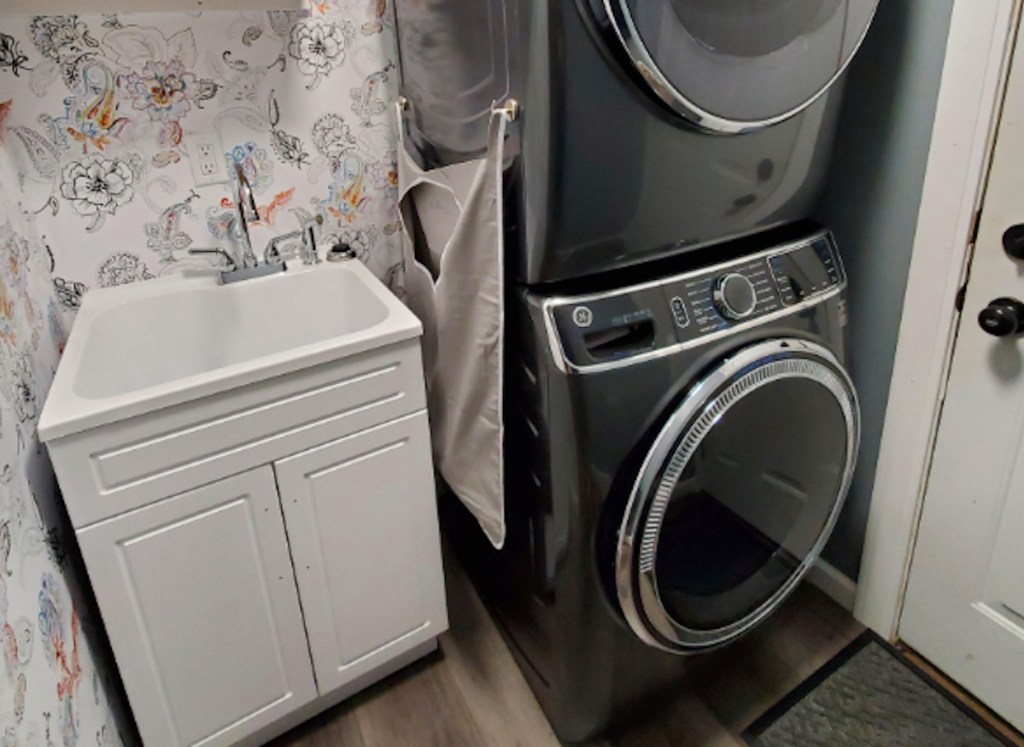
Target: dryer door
x=737 y=65
x=737 y=496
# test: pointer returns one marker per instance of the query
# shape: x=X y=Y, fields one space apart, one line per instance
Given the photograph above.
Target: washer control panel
x=625 y=324
x=721 y=297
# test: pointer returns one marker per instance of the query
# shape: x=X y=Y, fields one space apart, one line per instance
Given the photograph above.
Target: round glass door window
x=735 y=65
x=737 y=496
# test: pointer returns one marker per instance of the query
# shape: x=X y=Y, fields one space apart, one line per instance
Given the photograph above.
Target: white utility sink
x=247 y=468
x=150 y=345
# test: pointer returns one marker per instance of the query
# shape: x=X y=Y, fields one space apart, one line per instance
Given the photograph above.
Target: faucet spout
x=245 y=211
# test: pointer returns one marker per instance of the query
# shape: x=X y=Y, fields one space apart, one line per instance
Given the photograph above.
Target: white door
x=362 y=520
x=198 y=596
x=964 y=608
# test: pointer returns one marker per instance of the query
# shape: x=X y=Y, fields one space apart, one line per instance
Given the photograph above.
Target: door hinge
x=975 y=224
x=960 y=295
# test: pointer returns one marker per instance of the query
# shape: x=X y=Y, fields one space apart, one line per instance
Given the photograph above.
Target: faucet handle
x=228 y=259
x=272 y=253
x=309 y=253
x=310 y=256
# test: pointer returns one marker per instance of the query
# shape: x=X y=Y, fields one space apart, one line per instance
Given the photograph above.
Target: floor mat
x=868 y=695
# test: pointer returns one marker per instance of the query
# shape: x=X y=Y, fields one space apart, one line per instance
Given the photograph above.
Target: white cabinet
x=364 y=499
x=199 y=600
x=239 y=601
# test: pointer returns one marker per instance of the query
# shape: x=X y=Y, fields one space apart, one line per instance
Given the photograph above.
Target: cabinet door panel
x=362 y=523
x=198 y=595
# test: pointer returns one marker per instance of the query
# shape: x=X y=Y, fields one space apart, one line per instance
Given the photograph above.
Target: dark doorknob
x=1002 y=317
x=1013 y=241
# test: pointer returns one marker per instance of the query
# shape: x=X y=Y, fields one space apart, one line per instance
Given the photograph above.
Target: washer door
x=737 y=496
x=737 y=65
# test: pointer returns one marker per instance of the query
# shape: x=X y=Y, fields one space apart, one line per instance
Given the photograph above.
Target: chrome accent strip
x=635 y=576
x=621 y=21
x=564 y=365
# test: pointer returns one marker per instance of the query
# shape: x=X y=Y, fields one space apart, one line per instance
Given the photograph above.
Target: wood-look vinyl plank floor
x=472 y=693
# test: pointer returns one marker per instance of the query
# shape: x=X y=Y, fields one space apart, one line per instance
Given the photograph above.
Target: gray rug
x=872 y=698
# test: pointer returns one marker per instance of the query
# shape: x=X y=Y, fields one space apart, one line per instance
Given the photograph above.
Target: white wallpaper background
x=96 y=190
x=52 y=690
x=101 y=107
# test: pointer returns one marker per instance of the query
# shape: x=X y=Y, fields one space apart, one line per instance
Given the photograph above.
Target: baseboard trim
x=827 y=578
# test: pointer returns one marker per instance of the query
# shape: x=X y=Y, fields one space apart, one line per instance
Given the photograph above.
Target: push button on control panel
x=679 y=312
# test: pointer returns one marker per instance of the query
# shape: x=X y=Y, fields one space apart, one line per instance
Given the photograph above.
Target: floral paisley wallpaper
x=96 y=190
x=102 y=108
x=51 y=690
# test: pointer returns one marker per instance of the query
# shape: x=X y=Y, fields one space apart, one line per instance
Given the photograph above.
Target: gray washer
x=674 y=468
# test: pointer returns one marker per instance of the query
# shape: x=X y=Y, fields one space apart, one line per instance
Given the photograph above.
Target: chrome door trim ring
x=621 y=21
x=756 y=365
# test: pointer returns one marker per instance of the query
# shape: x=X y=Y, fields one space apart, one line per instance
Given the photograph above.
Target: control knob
x=734 y=296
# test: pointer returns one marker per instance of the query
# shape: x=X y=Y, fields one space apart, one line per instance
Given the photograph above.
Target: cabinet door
x=198 y=596
x=362 y=522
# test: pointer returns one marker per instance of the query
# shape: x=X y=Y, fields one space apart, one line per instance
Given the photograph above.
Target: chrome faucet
x=245 y=211
x=247 y=266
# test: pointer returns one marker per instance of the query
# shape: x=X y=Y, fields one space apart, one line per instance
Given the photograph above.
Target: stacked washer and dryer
x=680 y=429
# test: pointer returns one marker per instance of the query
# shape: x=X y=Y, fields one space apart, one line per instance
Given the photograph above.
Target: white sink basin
x=149 y=345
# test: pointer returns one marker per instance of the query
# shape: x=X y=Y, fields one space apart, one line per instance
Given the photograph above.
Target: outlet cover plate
x=206 y=158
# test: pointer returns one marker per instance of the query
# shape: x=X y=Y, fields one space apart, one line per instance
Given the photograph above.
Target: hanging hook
x=511 y=109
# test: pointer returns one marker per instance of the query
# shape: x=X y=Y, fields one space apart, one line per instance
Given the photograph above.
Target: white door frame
x=970 y=94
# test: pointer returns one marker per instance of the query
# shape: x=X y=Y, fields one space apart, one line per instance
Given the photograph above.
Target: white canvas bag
x=453 y=243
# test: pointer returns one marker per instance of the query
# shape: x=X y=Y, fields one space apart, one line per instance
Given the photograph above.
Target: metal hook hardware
x=511 y=109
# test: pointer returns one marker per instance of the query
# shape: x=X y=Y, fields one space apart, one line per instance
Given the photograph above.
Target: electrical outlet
x=206 y=157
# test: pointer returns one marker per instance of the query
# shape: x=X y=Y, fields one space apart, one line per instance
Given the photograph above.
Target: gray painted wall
x=871 y=203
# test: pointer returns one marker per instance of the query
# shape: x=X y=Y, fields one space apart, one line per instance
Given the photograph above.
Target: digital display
x=802 y=271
